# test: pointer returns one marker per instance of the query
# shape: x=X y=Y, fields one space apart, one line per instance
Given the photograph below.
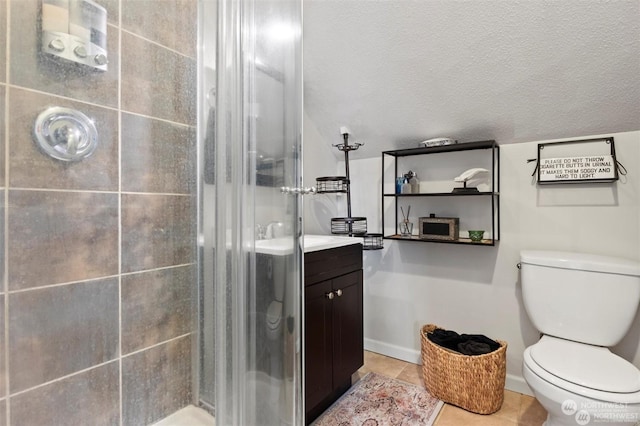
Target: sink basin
x=315 y=240
x=283 y=246
x=275 y=246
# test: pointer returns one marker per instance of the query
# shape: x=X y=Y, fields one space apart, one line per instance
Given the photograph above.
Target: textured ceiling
x=398 y=72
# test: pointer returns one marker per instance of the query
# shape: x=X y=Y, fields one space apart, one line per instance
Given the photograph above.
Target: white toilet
x=276 y=272
x=582 y=304
x=274 y=328
x=274 y=320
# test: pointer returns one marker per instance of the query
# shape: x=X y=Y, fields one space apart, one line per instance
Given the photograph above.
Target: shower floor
x=188 y=416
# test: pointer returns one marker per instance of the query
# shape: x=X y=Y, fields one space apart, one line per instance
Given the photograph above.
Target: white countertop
x=283 y=246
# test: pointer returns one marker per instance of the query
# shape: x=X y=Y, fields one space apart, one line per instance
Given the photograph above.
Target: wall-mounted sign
x=558 y=162
x=574 y=168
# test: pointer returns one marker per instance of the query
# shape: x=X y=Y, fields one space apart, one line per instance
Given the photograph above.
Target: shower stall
x=132 y=289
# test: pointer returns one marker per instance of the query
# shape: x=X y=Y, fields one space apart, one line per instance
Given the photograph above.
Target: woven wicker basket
x=475 y=383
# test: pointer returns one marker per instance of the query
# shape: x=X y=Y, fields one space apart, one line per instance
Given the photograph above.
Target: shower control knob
x=65 y=134
x=57 y=45
x=330 y=295
x=80 y=51
x=100 y=59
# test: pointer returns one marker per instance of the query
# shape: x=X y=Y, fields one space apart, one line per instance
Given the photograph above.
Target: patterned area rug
x=382 y=401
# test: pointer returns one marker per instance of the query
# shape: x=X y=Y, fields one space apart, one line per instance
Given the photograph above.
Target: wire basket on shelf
x=349 y=225
x=331 y=184
x=372 y=242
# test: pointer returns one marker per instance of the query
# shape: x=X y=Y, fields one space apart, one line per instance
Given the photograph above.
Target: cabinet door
x=348 y=350
x=318 y=343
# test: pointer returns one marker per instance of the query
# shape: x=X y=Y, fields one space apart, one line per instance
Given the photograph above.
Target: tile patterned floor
x=517 y=409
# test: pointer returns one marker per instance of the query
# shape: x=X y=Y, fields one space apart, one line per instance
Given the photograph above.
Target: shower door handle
x=302 y=191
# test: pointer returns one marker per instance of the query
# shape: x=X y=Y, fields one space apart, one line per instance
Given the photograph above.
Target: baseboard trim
x=517 y=384
x=394 y=351
x=513 y=383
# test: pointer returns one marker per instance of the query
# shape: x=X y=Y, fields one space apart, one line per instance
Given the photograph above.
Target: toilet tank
x=582 y=297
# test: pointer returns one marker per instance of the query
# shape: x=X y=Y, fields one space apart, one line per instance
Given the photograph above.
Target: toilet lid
x=585 y=365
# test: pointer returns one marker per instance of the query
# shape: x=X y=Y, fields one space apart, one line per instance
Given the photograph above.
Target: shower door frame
x=240 y=32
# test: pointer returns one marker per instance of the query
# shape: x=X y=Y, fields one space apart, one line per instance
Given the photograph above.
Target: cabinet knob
x=338 y=292
x=329 y=295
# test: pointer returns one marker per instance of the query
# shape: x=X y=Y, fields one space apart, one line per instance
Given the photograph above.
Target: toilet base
x=568 y=409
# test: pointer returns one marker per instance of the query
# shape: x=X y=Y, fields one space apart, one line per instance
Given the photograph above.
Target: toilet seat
x=274 y=315
x=585 y=365
x=600 y=395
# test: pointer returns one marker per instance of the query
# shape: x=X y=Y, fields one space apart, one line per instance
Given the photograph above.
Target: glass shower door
x=252 y=228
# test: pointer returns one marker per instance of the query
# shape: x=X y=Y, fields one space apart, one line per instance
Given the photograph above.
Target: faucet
x=261 y=232
x=274 y=229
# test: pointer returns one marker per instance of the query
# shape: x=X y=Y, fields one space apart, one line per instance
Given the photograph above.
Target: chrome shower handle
x=65 y=134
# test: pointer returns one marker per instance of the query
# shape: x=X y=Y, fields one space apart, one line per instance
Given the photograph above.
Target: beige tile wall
x=143 y=323
x=57 y=237
x=68 y=401
x=96 y=314
x=72 y=327
x=155 y=376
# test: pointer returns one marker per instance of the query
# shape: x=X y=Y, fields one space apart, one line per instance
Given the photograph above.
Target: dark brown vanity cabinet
x=333 y=325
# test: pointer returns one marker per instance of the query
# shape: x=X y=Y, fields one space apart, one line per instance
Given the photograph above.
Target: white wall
x=475 y=289
x=320 y=159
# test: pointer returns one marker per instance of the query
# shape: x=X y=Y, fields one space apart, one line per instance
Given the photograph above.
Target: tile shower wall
x=98 y=258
